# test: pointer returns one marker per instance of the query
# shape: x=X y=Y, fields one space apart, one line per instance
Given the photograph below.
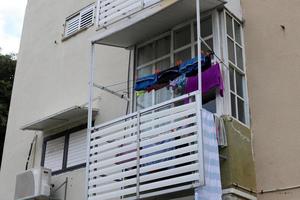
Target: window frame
x=66 y=134
x=171 y=55
x=237 y=69
x=79 y=14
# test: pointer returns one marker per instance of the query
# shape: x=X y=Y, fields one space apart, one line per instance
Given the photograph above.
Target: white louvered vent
x=110 y=11
x=72 y=25
x=54 y=154
x=87 y=17
x=77 y=148
x=81 y=20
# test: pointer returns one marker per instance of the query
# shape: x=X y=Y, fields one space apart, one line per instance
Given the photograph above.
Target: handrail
x=154 y=107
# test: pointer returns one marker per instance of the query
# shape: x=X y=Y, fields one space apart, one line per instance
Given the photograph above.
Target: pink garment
x=211 y=79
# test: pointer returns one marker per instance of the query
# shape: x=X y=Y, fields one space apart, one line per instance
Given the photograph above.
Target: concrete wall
x=273 y=57
x=51 y=76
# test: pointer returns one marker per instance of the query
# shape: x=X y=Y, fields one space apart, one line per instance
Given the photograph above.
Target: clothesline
x=204 y=42
x=130 y=81
x=213 y=52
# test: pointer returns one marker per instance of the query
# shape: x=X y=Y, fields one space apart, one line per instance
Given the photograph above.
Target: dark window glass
x=229 y=26
x=231 y=50
x=145 y=54
x=182 y=37
x=233 y=108
x=239 y=57
x=182 y=55
x=239 y=84
x=237 y=30
x=241 y=110
x=162 y=47
x=231 y=73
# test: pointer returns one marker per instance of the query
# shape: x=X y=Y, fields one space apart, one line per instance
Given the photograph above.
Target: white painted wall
x=51 y=77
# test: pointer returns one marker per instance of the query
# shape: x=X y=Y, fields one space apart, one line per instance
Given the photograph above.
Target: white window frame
x=216 y=46
x=66 y=135
x=79 y=15
x=224 y=36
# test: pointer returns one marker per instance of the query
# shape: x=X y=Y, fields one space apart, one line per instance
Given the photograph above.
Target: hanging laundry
x=140 y=93
x=190 y=67
x=145 y=82
x=211 y=79
x=168 y=75
x=212 y=190
x=179 y=82
x=221 y=131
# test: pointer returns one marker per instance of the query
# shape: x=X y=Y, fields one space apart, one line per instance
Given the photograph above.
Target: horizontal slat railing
x=110 y=11
x=147 y=153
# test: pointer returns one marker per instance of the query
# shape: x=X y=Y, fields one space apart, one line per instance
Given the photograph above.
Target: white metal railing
x=147 y=153
x=110 y=11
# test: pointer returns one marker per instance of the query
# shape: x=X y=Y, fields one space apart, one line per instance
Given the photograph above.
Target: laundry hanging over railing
x=185 y=77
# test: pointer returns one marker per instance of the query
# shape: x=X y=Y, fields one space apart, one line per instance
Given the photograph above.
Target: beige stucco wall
x=273 y=57
x=51 y=77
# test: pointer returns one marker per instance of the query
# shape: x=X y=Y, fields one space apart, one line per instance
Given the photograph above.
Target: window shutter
x=72 y=25
x=54 y=154
x=87 y=17
x=77 y=148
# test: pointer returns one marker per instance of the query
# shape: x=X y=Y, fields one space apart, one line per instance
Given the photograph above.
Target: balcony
x=124 y=23
x=149 y=153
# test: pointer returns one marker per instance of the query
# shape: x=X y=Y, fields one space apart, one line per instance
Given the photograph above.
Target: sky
x=11 y=21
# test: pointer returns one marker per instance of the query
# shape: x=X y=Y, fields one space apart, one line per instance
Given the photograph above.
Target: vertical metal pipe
x=199 y=98
x=90 y=116
x=138 y=154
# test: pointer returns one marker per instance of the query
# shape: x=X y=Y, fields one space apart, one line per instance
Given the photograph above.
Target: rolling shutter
x=77 y=148
x=54 y=154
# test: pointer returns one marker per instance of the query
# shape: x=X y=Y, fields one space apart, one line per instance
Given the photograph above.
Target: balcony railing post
x=97 y=13
x=138 y=140
x=199 y=97
x=90 y=118
x=200 y=139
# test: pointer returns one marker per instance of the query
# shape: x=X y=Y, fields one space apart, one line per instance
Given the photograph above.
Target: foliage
x=7 y=71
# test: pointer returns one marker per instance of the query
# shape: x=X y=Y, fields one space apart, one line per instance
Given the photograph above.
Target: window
x=65 y=151
x=79 y=21
x=167 y=50
x=236 y=68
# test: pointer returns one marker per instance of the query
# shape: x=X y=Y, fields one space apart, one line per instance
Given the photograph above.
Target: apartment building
x=79 y=67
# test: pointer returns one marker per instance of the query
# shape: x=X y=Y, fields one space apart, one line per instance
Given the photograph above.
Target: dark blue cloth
x=190 y=67
x=168 y=75
x=145 y=82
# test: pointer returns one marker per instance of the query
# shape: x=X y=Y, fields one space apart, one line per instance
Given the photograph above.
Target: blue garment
x=145 y=82
x=190 y=67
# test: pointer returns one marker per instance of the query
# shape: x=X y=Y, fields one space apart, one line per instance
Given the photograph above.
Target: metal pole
x=138 y=154
x=199 y=98
x=90 y=116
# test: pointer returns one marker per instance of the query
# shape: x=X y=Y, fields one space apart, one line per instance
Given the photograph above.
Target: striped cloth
x=212 y=190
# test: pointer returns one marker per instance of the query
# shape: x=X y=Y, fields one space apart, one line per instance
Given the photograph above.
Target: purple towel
x=211 y=79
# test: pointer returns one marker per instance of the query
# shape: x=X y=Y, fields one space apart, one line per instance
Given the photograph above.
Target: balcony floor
x=151 y=21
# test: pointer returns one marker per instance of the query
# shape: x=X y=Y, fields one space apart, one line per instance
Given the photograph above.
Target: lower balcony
x=157 y=153
x=149 y=153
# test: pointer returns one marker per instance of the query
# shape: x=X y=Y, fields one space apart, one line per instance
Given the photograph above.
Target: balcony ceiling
x=136 y=29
